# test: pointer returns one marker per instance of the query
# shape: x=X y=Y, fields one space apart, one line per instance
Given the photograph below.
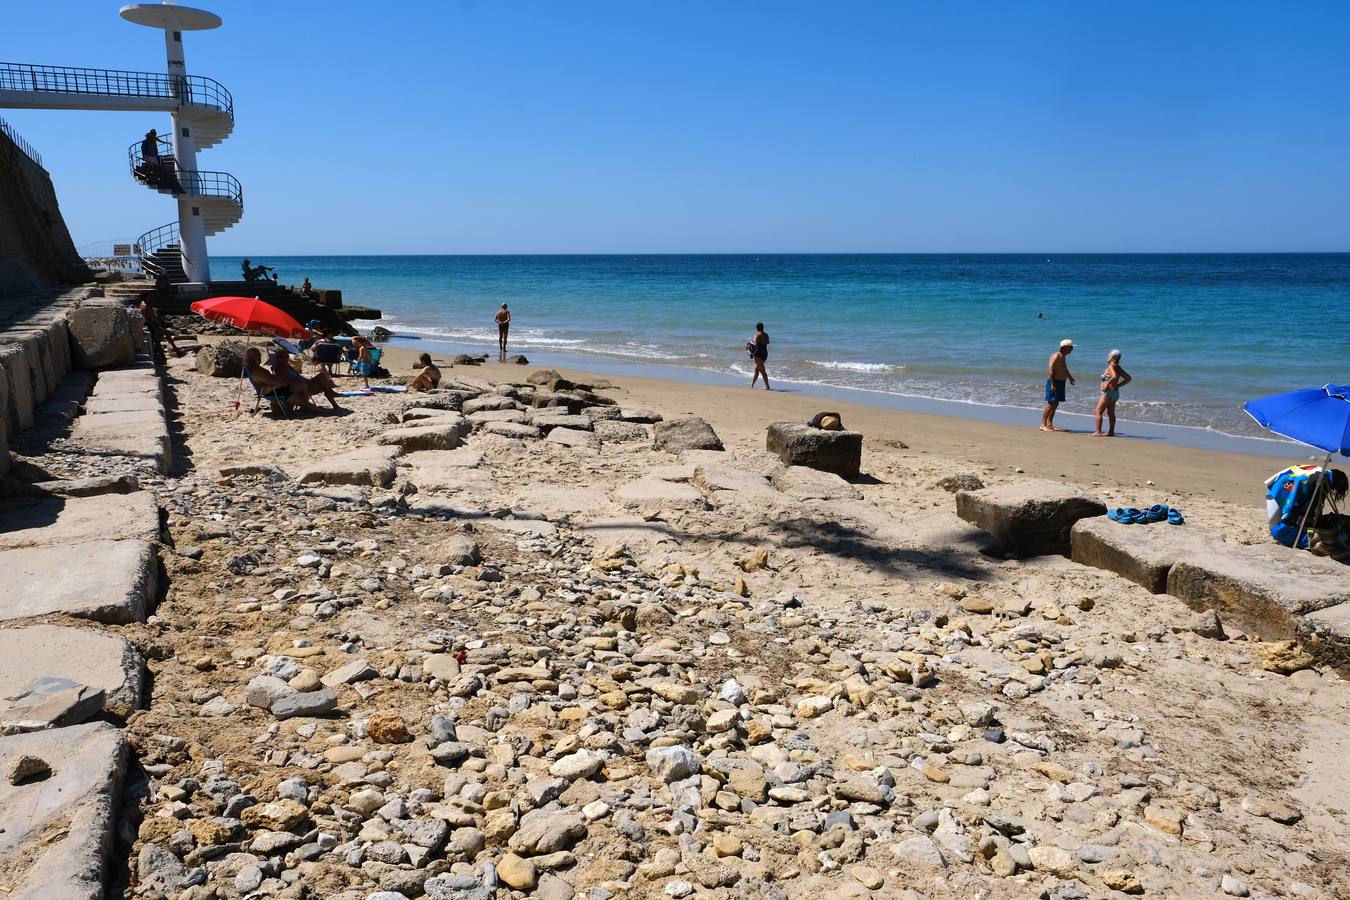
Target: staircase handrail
x=154 y=240
x=197 y=90
x=197 y=182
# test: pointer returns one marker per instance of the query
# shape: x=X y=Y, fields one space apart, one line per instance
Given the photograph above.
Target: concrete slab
x=1326 y=635
x=137 y=402
x=445 y=433
x=541 y=500
x=143 y=434
x=803 y=483
x=654 y=492
x=58 y=832
x=461 y=458
x=517 y=430
x=531 y=527
x=719 y=478
x=617 y=432
x=1030 y=517
x=1143 y=554
x=68 y=521
x=107 y=581
x=574 y=437
x=482 y=417
x=547 y=420
x=630 y=531
x=1264 y=588
x=101 y=660
x=364 y=465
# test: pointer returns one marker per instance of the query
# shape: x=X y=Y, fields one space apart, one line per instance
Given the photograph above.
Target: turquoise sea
x=1199 y=333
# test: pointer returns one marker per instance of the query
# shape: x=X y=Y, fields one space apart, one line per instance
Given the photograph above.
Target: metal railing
x=164 y=173
x=184 y=89
x=152 y=242
x=24 y=147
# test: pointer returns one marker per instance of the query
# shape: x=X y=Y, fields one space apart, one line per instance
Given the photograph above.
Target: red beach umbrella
x=250 y=314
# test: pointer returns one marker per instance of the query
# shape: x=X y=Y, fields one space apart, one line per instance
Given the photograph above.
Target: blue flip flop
x=1126 y=515
x=1156 y=513
x=1174 y=517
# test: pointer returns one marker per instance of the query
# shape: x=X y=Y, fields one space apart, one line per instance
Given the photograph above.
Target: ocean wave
x=533 y=338
x=854 y=366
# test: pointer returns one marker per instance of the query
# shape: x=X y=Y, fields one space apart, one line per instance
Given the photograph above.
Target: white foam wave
x=854 y=366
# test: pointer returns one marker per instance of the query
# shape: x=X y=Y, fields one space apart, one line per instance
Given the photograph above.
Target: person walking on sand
x=1056 y=374
x=1113 y=379
x=503 y=327
x=758 y=348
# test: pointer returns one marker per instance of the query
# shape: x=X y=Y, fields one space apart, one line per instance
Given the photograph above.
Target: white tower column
x=174 y=20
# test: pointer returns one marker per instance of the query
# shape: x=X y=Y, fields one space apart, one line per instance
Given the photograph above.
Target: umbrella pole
x=1312 y=502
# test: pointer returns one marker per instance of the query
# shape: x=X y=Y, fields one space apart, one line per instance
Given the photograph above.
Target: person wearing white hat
x=1056 y=374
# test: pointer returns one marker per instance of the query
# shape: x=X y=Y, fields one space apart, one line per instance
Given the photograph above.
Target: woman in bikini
x=1113 y=379
x=758 y=347
x=429 y=377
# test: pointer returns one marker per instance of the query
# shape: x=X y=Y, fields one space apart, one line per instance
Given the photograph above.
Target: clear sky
x=500 y=127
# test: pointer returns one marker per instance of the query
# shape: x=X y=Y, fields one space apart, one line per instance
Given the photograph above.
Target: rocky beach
x=526 y=636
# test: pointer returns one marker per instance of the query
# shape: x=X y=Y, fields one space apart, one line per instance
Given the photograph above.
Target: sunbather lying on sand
x=295 y=388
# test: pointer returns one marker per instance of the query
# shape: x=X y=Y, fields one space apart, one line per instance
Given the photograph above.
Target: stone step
x=363 y=465
x=58 y=829
x=106 y=663
x=107 y=581
x=1030 y=517
x=69 y=521
x=1143 y=554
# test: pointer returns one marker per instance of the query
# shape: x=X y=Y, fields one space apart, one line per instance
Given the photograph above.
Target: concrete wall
x=36 y=251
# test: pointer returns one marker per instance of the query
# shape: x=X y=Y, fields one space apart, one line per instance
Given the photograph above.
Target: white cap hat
x=1065 y=343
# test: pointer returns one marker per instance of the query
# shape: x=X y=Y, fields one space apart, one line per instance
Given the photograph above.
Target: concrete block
x=795 y=444
x=18 y=386
x=546 y=420
x=1143 y=554
x=1263 y=588
x=58 y=830
x=101 y=334
x=103 y=661
x=1029 y=517
x=714 y=478
x=1326 y=635
x=107 y=581
x=364 y=465
x=486 y=416
x=443 y=434
x=61 y=521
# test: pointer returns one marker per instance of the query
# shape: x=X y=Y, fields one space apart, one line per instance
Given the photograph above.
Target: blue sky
x=485 y=127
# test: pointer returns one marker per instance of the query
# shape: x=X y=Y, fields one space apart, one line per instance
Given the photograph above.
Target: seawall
x=36 y=251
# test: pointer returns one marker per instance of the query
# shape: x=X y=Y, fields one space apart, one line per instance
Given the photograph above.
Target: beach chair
x=277 y=396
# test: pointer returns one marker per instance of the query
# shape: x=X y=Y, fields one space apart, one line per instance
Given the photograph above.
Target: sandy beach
x=416 y=646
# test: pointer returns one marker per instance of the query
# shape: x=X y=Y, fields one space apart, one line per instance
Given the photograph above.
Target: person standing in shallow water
x=503 y=326
x=758 y=348
x=1056 y=373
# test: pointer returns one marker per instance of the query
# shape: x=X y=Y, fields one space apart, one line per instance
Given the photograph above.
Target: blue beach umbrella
x=1318 y=417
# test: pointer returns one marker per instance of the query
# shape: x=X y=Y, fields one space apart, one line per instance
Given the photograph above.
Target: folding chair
x=277 y=396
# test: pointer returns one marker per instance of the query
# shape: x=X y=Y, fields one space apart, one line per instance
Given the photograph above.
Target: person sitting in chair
x=322 y=383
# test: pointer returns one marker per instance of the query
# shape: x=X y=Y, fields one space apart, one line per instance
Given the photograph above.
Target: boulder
x=224 y=360
x=685 y=434
x=1030 y=517
x=795 y=444
x=102 y=334
x=620 y=432
x=1263 y=588
x=516 y=360
x=379 y=334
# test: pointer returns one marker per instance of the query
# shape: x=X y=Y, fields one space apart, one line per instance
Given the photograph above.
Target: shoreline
x=1188 y=436
x=1139 y=469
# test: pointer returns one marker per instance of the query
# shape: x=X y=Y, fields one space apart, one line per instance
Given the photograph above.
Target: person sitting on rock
x=429 y=377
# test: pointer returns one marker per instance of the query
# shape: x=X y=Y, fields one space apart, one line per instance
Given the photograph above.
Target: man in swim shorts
x=1056 y=374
